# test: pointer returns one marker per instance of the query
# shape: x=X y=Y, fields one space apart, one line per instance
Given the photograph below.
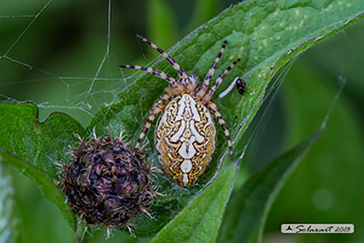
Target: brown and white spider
x=185 y=132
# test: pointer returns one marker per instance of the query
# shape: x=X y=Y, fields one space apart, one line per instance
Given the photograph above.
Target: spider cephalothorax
x=185 y=132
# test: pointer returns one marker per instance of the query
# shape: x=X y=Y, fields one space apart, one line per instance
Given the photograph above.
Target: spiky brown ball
x=106 y=184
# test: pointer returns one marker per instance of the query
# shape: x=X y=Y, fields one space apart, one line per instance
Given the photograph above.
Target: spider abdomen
x=185 y=139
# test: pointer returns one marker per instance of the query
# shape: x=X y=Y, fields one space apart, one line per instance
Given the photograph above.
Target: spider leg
x=157 y=73
x=218 y=81
x=175 y=65
x=157 y=107
x=223 y=126
x=205 y=84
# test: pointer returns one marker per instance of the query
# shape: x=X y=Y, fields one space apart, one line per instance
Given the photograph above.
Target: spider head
x=194 y=79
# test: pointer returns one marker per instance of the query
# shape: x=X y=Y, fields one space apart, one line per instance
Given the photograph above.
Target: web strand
x=28 y=26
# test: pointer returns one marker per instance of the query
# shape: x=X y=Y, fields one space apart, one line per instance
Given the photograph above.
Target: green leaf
x=247 y=211
x=201 y=219
x=259 y=32
x=41 y=143
x=34 y=147
x=45 y=184
x=331 y=161
x=265 y=35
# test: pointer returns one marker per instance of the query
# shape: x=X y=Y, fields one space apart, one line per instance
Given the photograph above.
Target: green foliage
x=328 y=178
x=201 y=219
x=42 y=144
x=8 y=229
x=246 y=213
x=45 y=184
x=160 y=24
x=33 y=143
x=261 y=33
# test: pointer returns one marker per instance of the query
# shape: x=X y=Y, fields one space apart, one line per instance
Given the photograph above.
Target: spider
x=185 y=132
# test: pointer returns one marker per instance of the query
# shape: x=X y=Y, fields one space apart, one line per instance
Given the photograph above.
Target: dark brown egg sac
x=106 y=184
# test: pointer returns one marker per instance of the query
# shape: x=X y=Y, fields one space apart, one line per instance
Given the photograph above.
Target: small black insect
x=240 y=85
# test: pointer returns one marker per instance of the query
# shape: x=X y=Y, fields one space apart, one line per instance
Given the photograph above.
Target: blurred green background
x=64 y=61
